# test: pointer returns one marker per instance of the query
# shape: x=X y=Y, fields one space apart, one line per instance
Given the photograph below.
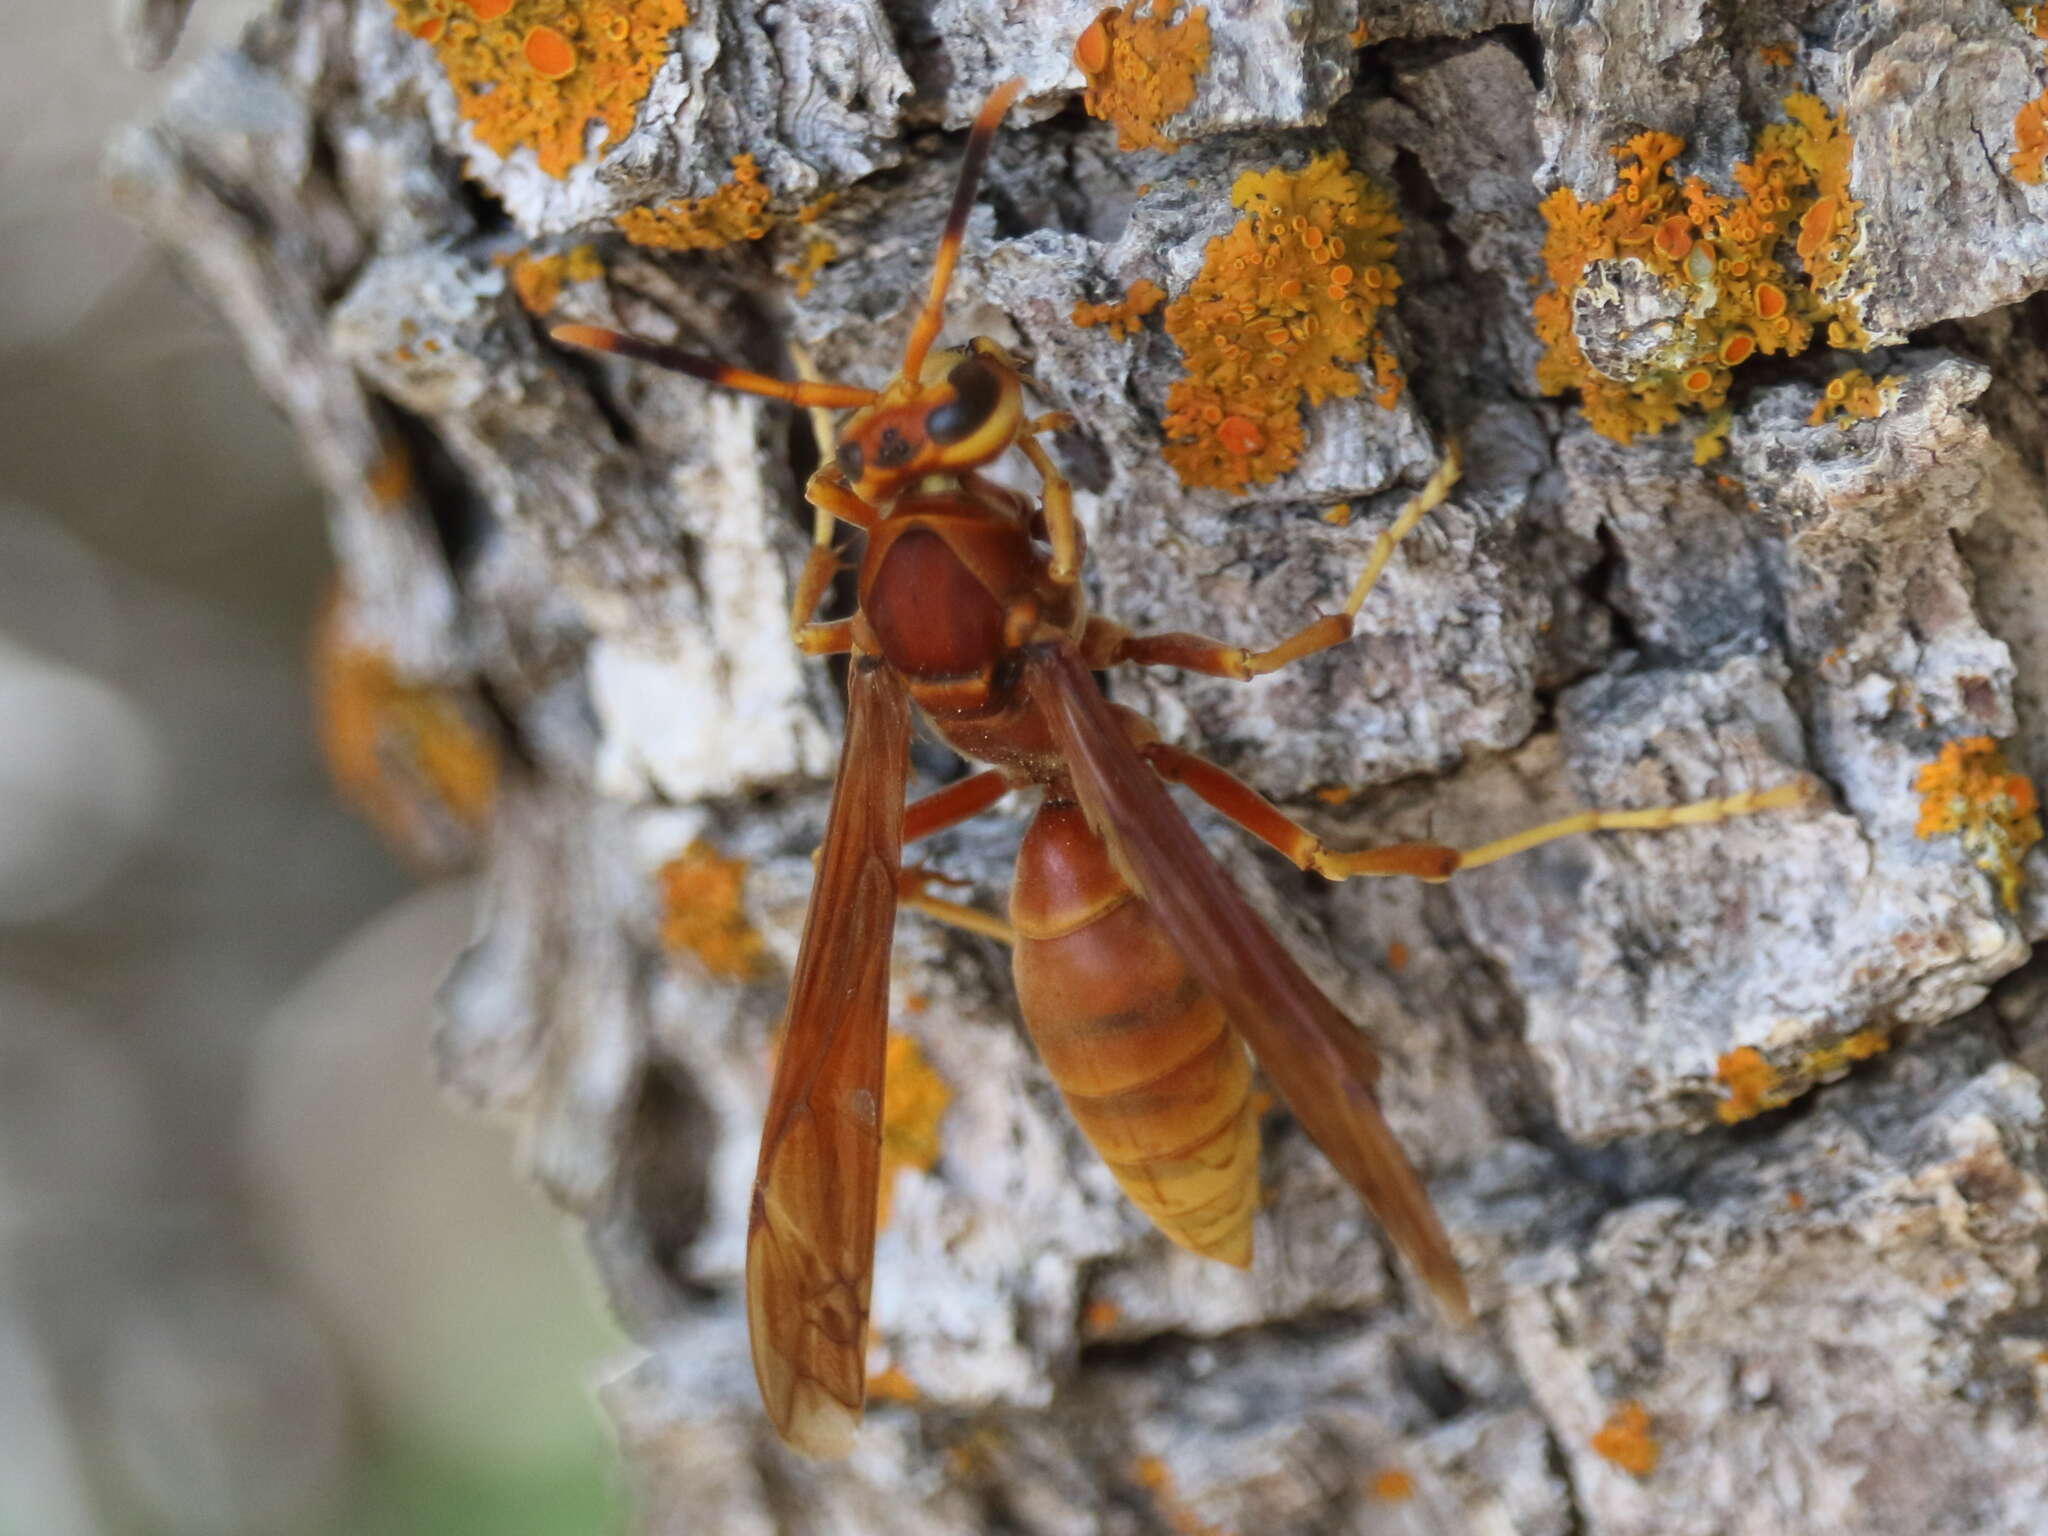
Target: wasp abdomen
x=1149 y=1066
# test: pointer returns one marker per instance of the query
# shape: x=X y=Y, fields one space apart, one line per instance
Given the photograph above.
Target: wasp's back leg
x=1107 y=643
x=1231 y=796
x=959 y=801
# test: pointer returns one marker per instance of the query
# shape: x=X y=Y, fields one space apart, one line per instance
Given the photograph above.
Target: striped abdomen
x=1150 y=1068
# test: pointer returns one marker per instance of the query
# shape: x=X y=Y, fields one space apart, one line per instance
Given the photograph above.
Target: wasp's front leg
x=1199 y=653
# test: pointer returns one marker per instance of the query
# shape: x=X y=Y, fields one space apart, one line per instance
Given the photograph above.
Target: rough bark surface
x=1833 y=1316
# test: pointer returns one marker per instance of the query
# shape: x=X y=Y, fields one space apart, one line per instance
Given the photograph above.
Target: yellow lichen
x=1855 y=396
x=1122 y=317
x=417 y=760
x=2030 y=128
x=914 y=1100
x=736 y=211
x=538 y=73
x=704 y=915
x=803 y=272
x=1141 y=69
x=1970 y=790
x=1285 y=308
x=1625 y=1440
x=1338 y=516
x=1711 y=441
x=1715 y=264
x=1828 y=1060
x=537 y=281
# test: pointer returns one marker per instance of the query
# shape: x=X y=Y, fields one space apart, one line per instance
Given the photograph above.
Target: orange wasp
x=1141 y=972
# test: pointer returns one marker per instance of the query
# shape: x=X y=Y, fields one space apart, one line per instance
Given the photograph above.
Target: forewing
x=1316 y=1057
x=811 y=1232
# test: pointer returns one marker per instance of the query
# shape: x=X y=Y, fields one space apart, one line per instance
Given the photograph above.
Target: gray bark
x=1832 y=1315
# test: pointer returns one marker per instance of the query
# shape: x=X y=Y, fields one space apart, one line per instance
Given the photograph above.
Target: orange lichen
x=2029 y=161
x=390 y=479
x=803 y=272
x=538 y=73
x=1339 y=516
x=914 y=1100
x=1141 y=70
x=1122 y=317
x=737 y=211
x=1777 y=55
x=1391 y=1485
x=1284 y=309
x=1711 y=268
x=537 y=281
x=892 y=1386
x=1625 y=1440
x=416 y=759
x=1099 y=1316
x=1970 y=790
x=1359 y=35
x=1753 y=1085
x=1756 y=1087
x=704 y=914
x=1397 y=957
x=1855 y=396
x=1152 y=1475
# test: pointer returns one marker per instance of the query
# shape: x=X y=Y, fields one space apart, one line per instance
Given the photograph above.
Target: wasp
x=1142 y=973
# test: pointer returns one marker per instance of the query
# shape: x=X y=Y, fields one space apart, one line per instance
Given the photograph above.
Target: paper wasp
x=1141 y=972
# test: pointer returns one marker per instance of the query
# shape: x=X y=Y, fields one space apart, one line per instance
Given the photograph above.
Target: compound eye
x=976 y=391
x=851 y=460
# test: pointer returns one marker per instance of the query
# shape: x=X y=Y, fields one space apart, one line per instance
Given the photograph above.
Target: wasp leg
x=812 y=583
x=1231 y=796
x=912 y=896
x=1199 y=653
x=957 y=802
x=1060 y=524
x=832 y=499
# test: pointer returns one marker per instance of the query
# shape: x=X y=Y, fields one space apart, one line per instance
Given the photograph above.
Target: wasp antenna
x=980 y=138
x=808 y=393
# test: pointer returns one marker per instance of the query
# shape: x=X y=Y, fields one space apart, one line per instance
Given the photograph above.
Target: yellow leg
x=830 y=500
x=1802 y=791
x=1198 y=653
x=812 y=583
x=958 y=915
x=1436 y=862
x=1058 y=495
x=912 y=895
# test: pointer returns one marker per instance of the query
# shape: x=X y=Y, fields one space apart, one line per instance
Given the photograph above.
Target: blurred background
x=254 y=1275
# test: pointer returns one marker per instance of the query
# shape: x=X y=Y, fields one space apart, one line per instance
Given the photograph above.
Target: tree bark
x=1832 y=1315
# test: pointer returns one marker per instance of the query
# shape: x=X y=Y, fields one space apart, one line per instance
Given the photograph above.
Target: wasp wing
x=811 y=1231
x=1317 y=1058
